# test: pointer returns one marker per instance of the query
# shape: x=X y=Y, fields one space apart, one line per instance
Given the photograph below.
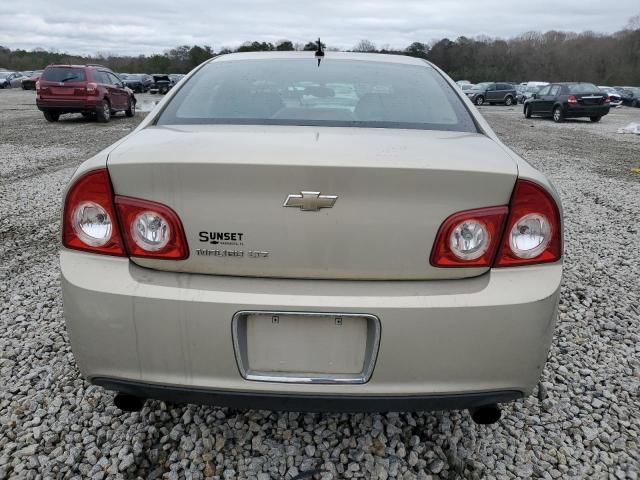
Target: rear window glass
x=64 y=74
x=339 y=92
x=583 y=88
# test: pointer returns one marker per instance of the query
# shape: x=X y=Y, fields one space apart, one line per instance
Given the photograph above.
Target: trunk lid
x=394 y=188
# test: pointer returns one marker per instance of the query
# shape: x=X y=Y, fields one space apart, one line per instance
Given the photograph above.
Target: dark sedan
x=568 y=100
x=630 y=96
x=139 y=83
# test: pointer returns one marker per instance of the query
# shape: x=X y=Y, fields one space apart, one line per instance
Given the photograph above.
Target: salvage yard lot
x=584 y=421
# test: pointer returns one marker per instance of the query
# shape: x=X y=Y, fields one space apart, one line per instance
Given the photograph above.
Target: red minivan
x=86 y=89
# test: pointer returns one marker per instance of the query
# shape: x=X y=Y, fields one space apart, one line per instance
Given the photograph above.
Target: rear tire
x=595 y=119
x=558 y=116
x=527 y=111
x=131 y=111
x=479 y=100
x=508 y=101
x=51 y=116
x=103 y=114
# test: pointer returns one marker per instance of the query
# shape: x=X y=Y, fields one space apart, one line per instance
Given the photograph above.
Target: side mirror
x=534 y=95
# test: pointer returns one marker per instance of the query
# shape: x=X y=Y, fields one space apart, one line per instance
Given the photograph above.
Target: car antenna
x=319 y=52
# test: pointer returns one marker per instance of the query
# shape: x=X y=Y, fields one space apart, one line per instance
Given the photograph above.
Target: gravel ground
x=584 y=421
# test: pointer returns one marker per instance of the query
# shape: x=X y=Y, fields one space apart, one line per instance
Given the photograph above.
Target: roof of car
x=78 y=66
x=370 y=57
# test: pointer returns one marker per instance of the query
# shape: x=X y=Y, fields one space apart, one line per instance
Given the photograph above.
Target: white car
x=374 y=251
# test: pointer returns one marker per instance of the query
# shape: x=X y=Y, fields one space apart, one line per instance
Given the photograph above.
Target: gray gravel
x=584 y=421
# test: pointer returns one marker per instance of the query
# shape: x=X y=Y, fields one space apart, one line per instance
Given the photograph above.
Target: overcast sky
x=150 y=26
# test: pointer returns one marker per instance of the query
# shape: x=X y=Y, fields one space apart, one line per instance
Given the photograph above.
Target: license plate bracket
x=306 y=347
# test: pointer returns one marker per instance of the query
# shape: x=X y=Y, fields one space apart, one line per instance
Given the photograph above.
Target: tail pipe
x=128 y=403
x=485 y=415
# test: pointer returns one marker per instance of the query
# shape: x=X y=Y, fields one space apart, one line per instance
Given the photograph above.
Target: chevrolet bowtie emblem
x=310 y=201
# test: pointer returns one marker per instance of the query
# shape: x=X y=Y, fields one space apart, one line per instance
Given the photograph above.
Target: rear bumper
x=443 y=344
x=586 y=111
x=309 y=402
x=69 y=105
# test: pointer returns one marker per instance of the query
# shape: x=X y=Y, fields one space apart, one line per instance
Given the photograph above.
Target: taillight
x=89 y=218
x=38 y=85
x=92 y=88
x=572 y=99
x=533 y=231
x=607 y=99
x=528 y=231
x=151 y=229
x=469 y=238
x=96 y=221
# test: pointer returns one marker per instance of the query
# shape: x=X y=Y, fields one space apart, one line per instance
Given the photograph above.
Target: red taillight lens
x=572 y=99
x=151 y=230
x=89 y=218
x=607 y=99
x=533 y=232
x=469 y=238
x=92 y=88
x=38 y=85
x=526 y=232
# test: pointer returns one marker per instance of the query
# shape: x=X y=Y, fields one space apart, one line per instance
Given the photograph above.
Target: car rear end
x=585 y=100
x=67 y=89
x=283 y=250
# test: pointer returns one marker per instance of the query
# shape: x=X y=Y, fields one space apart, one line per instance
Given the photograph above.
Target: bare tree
x=364 y=46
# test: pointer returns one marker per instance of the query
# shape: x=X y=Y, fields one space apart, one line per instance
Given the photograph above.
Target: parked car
x=492 y=93
x=465 y=87
x=8 y=78
x=175 y=78
x=161 y=83
x=568 y=100
x=29 y=83
x=241 y=249
x=529 y=90
x=615 y=99
x=630 y=96
x=86 y=89
x=138 y=82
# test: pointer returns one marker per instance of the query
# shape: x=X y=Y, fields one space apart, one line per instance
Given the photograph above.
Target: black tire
x=635 y=103
x=595 y=119
x=103 y=114
x=527 y=111
x=131 y=111
x=557 y=114
x=51 y=116
x=479 y=100
x=508 y=101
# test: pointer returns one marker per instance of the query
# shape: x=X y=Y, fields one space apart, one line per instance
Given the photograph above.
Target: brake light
x=528 y=231
x=151 y=230
x=38 y=85
x=89 y=218
x=94 y=220
x=572 y=99
x=91 y=88
x=469 y=238
x=607 y=99
x=533 y=232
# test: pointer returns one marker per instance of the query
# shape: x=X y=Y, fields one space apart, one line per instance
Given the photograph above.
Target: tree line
x=611 y=59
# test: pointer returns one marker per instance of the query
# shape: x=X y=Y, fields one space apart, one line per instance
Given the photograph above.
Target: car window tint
x=582 y=88
x=555 y=90
x=544 y=91
x=339 y=92
x=114 y=79
x=64 y=74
